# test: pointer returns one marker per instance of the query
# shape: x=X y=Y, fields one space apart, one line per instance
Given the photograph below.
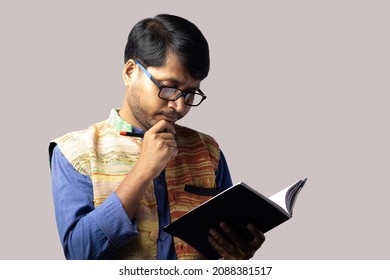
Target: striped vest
x=101 y=153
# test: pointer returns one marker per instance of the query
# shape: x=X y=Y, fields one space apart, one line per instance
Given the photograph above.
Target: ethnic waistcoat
x=101 y=153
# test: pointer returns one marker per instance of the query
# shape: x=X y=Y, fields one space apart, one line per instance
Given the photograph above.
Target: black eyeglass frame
x=181 y=92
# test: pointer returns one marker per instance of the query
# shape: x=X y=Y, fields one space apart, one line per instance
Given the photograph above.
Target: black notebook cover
x=238 y=206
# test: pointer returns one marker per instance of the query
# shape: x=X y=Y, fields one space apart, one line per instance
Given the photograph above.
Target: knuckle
x=160 y=144
x=230 y=250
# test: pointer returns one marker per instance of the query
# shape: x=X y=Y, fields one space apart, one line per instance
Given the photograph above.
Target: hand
x=237 y=248
x=159 y=147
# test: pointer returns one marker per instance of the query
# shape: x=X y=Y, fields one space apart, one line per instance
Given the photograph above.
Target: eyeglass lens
x=173 y=94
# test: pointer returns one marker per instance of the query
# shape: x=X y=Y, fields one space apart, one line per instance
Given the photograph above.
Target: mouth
x=172 y=118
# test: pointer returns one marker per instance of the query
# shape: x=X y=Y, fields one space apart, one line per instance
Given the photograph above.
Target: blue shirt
x=89 y=233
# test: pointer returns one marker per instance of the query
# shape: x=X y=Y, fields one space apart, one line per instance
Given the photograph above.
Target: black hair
x=151 y=39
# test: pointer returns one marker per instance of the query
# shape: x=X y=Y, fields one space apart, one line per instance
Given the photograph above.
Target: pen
x=133 y=134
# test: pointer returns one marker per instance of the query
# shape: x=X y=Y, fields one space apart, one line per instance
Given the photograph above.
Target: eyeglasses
x=172 y=94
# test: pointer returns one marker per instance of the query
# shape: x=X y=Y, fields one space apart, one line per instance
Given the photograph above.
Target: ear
x=128 y=71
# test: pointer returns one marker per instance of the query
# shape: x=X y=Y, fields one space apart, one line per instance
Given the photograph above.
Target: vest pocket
x=202 y=191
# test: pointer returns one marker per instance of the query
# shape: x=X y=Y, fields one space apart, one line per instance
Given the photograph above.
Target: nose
x=178 y=105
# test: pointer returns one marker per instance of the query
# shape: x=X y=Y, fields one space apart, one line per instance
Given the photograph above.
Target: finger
x=220 y=239
x=244 y=249
x=259 y=237
x=216 y=240
x=162 y=126
x=216 y=246
x=226 y=248
x=167 y=136
x=169 y=147
x=170 y=143
x=233 y=235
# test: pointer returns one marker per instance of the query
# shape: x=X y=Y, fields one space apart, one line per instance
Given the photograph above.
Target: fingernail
x=251 y=226
x=213 y=232
x=224 y=226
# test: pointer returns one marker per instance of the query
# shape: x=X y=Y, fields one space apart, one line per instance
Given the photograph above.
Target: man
x=119 y=182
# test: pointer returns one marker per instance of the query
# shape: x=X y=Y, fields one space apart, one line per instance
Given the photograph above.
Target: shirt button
x=153 y=236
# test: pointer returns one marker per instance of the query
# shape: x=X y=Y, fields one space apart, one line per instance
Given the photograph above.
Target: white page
x=280 y=197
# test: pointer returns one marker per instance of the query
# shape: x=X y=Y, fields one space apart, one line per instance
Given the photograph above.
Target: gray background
x=296 y=89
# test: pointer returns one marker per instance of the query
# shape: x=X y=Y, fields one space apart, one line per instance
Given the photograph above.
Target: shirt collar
x=120 y=124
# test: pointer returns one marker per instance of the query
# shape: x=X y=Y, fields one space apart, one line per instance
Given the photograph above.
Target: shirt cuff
x=112 y=219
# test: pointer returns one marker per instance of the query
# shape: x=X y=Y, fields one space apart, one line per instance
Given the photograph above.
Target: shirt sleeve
x=86 y=232
x=223 y=178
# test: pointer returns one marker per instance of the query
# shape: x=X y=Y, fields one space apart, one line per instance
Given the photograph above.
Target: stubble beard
x=138 y=112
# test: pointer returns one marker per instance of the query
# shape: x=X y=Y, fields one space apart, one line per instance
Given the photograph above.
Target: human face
x=142 y=107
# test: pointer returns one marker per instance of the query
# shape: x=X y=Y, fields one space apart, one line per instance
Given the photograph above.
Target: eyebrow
x=176 y=82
